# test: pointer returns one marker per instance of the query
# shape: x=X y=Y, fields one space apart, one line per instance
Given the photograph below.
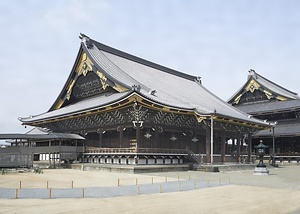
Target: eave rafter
x=135 y=98
x=224 y=122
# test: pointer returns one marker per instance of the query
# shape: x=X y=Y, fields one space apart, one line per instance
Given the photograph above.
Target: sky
x=215 y=39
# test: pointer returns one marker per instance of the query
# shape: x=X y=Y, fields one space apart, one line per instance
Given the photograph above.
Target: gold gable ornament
x=252 y=86
x=268 y=94
x=85 y=65
x=237 y=99
x=69 y=89
x=103 y=79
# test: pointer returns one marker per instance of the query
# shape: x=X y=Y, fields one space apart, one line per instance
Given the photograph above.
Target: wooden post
x=238 y=149
x=156 y=138
x=47 y=185
x=100 y=138
x=160 y=188
x=249 y=141
x=121 y=136
x=59 y=158
x=207 y=144
x=223 y=143
x=138 y=136
x=136 y=181
x=83 y=193
x=20 y=185
x=50 y=193
x=72 y=184
x=211 y=140
x=138 y=190
x=152 y=180
x=17 y=193
x=118 y=182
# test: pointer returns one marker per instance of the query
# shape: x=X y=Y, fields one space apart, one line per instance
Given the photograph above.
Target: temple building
x=42 y=145
x=271 y=102
x=133 y=111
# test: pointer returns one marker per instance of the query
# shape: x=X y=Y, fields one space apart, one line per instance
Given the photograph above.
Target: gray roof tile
x=289 y=128
x=269 y=107
x=173 y=88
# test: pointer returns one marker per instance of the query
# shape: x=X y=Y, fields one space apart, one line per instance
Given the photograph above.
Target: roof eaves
x=32 y=120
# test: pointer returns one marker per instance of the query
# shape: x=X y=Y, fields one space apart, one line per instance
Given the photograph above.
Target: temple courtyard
x=223 y=192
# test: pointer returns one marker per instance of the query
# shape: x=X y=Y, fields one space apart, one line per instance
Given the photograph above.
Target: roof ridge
x=139 y=60
x=255 y=75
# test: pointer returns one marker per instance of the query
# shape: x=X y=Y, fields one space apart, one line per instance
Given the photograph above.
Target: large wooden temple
x=269 y=101
x=133 y=111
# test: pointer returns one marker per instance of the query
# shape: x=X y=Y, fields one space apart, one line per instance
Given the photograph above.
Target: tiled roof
x=288 y=128
x=265 y=84
x=172 y=88
x=273 y=86
x=40 y=134
x=78 y=107
x=269 y=107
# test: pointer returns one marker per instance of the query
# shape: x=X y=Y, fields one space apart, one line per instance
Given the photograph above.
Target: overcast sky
x=216 y=40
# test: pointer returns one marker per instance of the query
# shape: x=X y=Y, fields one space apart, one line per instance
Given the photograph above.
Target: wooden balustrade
x=133 y=150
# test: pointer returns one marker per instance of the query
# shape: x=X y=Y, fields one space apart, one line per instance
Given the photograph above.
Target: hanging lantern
x=194 y=139
x=147 y=135
x=173 y=138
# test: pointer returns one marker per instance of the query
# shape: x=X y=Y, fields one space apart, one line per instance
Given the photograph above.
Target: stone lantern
x=261 y=168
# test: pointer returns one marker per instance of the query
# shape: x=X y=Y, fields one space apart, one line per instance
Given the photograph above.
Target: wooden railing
x=161 y=150
x=109 y=150
x=133 y=150
x=287 y=154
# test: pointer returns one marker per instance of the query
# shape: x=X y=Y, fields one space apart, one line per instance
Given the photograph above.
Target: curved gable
x=259 y=89
x=85 y=81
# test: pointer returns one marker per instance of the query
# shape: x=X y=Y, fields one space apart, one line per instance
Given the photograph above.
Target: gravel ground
x=277 y=193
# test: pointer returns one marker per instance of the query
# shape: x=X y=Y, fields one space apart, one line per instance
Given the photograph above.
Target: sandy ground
x=277 y=193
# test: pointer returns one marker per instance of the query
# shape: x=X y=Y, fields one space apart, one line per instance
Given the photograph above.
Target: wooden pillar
x=121 y=136
x=100 y=139
x=138 y=136
x=49 y=159
x=156 y=138
x=238 y=149
x=207 y=143
x=249 y=141
x=59 y=153
x=223 y=143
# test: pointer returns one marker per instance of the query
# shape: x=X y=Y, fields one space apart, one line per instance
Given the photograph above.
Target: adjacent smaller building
x=40 y=145
x=266 y=100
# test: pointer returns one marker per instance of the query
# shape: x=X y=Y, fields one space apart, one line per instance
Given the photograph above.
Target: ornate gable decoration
x=251 y=87
x=87 y=81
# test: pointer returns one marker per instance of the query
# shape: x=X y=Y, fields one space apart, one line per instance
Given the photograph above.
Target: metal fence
x=106 y=192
